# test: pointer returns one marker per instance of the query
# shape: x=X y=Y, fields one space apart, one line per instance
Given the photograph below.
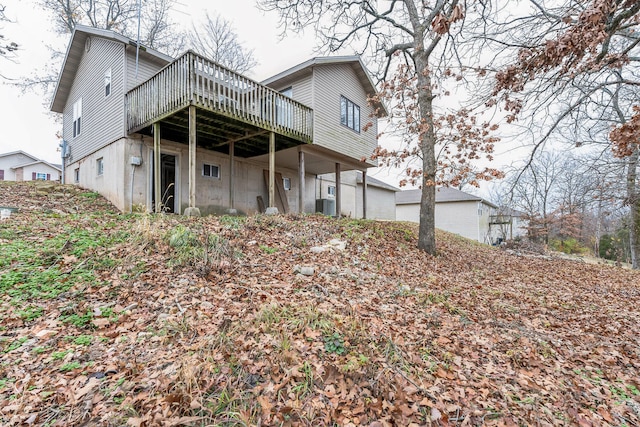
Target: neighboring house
x=21 y=166
x=456 y=211
x=190 y=133
x=381 y=196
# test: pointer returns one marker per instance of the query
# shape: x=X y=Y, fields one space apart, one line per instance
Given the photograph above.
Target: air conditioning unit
x=326 y=206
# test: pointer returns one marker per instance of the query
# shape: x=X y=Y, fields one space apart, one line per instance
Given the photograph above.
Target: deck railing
x=193 y=79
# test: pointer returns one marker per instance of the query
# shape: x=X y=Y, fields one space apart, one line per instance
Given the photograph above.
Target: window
x=349 y=114
x=286 y=183
x=76 y=175
x=1 y=174
x=107 y=83
x=331 y=190
x=100 y=166
x=211 y=170
x=40 y=176
x=77 y=117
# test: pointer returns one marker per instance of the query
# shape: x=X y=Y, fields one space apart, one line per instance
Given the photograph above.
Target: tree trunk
x=634 y=204
x=427 y=232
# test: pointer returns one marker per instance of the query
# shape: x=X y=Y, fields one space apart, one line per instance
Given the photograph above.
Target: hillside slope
x=141 y=320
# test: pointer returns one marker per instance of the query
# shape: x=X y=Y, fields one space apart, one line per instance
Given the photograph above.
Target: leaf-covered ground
x=141 y=320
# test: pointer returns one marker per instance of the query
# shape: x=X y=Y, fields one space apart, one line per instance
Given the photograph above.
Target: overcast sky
x=27 y=123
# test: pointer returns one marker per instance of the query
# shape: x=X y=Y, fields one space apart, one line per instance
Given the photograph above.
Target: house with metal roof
x=455 y=211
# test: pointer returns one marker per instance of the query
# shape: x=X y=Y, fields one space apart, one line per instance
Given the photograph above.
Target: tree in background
x=573 y=76
x=216 y=39
x=7 y=48
x=157 y=30
x=416 y=44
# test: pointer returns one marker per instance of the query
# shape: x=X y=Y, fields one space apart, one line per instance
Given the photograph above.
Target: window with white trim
x=76 y=175
x=331 y=190
x=212 y=171
x=107 y=83
x=41 y=176
x=286 y=183
x=349 y=114
x=100 y=166
x=77 y=117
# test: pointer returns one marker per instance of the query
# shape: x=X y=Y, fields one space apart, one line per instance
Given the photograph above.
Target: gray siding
x=147 y=68
x=102 y=117
x=302 y=90
x=330 y=82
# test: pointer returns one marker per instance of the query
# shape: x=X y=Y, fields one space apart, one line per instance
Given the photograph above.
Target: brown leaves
x=626 y=137
x=473 y=336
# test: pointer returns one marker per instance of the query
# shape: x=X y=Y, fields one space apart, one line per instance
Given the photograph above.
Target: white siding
x=29 y=170
x=15 y=159
x=102 y=117
x=330 y=83
x=469 y=219
x=409 y=212
x=381 y=203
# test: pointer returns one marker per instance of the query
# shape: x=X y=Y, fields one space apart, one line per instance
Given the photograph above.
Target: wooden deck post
x=231 y=177
x=338 y=192
x=192 y=210
x=301 y=176
x=272 y=172
x=364 y=194
x=157 y=184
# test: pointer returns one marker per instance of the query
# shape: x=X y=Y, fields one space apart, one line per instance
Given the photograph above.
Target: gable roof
x=353 y=60
x=375 y=182
x=59 y=169
x=11 y=153
x=443 y=195
x=73 y=56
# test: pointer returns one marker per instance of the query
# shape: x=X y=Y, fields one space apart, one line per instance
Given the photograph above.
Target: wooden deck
x=225 y=96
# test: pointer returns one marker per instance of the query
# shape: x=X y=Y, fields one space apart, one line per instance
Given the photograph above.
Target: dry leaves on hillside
x=177 y=321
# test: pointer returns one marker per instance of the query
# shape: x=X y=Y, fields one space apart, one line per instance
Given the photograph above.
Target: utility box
x=136 y=161
x=326 y=206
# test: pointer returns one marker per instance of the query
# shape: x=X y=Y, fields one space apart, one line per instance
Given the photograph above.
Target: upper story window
x=107 y=82
x=211 y=170
x=349 y=114
x=77 y=117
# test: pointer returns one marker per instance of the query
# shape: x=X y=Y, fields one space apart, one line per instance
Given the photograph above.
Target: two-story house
x=187 y=134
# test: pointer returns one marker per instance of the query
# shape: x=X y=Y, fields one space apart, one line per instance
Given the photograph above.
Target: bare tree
x=157 y=29
x=574 y=74
x=216 y=39
x=415 y=43
x=7 y=48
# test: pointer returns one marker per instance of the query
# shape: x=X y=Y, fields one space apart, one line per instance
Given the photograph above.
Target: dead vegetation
x=141 y=320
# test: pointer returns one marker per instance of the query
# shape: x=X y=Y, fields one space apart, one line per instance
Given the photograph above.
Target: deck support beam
x=338 y=192
x=157 y=185
x=272 y=174
x=232 y=162
x=301 y=175
x=192 y=210
x=364 y=194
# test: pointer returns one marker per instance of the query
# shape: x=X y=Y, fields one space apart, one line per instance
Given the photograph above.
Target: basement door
x=167 y=183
